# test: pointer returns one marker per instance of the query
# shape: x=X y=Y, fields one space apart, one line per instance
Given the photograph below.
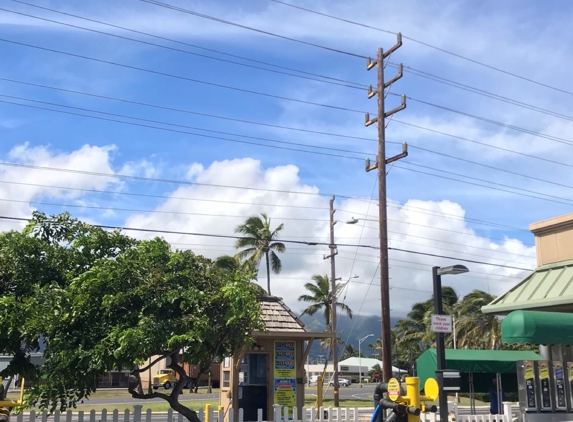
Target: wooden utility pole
x=333 y=342
x=381 y=162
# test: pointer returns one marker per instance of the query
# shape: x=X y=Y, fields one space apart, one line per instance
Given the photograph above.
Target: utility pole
x=381 y=162
x=334 y=343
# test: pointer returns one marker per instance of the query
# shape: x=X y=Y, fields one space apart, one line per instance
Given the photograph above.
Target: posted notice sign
x=441 y=323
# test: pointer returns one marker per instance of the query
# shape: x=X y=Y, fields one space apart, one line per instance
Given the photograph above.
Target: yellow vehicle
x=7 y=405
x=165 y=378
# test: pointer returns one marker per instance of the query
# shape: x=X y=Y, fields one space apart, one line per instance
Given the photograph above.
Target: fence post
x=126 y=415
x=44 y=416
x=507 y=411
x=240 y=415
x=330 y=414
x=303 y=414
x=69 y=416
x=207 y=413
x=277 y=412
x=32 y=416
x=103 y=416
x=147 y=416
x=114 y=417
x=80 y=416
x=259 y=415
x=231 y=414
x=312 y=414
x=136 y=413
x=57 y=416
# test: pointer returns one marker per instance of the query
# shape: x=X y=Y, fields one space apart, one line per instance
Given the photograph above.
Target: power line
x=491 y=167
x=300 y=242
x=460 y=259
x=547 y=160
x=178 y=131
x=459 y=56
x=186 y=126
x=544 y=197
x=144 y=195
x=225 y=53
x=214 y=116
x=94 y=207
x=201 y=15
x=482 y=92
x=346 y=84
x=493 y=122
x=170 y=75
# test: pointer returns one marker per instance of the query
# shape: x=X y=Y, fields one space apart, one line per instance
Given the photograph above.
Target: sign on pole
x=441 y=323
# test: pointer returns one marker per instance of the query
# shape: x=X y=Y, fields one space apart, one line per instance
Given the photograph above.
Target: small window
x=226 y=379
x=227 y=362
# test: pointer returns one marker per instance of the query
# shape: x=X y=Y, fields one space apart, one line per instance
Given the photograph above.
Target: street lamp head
x=454 y=269
x=354 y=276
x=352 y=221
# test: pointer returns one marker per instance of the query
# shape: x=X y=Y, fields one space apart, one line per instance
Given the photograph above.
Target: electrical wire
x=547 y=160
x=179 y=77
x=214 y=116
x=346 y=85
x=493 y=122
x=177 y=131
x=144 y=195
x=484 y=93
x=459 y=56
x=225 y=53
x=182 y=126
x=300 y=242
x=544 y=197
x=213 y=18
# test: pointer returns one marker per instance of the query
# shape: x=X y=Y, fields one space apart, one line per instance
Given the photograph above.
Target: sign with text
x=441 y=323
x=285 y=374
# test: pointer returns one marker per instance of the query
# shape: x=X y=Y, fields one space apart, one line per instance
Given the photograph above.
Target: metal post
x=334 y=343
x=359 y=363
x=440 y=350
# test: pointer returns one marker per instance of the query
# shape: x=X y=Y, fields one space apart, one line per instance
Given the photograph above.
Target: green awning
x=537 y=327
x=484 y=364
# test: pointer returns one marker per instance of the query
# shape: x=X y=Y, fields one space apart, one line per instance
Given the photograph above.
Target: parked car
x=343 y=382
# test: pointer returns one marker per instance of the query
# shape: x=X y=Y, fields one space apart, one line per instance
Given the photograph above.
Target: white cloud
x=431 y=227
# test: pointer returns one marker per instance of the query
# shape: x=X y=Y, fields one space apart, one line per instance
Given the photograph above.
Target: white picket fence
x=280 y=414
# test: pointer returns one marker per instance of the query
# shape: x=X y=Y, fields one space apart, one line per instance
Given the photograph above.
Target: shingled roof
x=277 y=316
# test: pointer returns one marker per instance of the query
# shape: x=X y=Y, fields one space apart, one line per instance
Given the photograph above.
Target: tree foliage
x=103 y=301
x=260 y=240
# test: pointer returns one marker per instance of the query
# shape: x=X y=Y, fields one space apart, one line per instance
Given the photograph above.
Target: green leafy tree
x=260 y=240
x=114 y=303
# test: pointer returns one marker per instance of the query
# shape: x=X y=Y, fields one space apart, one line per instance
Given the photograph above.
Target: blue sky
x=440 y=195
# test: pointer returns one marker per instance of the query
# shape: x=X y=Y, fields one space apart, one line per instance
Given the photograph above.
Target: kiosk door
x=253 y=390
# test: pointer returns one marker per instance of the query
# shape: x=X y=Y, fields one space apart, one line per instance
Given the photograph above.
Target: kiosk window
x=226 y=379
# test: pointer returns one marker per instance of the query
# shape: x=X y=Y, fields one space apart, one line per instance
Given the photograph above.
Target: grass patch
x=154 y=406
x=310 y=401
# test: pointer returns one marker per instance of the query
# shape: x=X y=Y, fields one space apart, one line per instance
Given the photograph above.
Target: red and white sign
x=441 y=323
x=376 y=375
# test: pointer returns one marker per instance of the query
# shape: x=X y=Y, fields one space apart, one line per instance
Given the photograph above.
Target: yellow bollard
x=413 y=394
x=207 y=412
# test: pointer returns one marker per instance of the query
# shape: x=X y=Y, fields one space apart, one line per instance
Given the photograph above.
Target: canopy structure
x=536 y=327
x=486 y=362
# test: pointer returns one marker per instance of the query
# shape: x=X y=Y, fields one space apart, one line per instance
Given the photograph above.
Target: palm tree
x=474 y=329
x=260 y=240
x=321 y=298
x=350 y=352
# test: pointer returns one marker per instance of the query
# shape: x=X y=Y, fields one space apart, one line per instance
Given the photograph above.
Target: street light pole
x=360 y=358
x=437 y=273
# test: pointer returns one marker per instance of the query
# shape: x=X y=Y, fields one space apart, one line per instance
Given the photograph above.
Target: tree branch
x=154 y=395
x=160 y=358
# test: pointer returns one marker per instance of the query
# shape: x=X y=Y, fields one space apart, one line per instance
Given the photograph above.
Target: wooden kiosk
x=272 y=370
